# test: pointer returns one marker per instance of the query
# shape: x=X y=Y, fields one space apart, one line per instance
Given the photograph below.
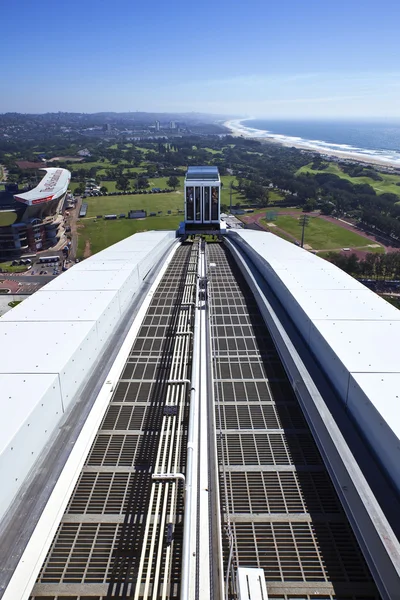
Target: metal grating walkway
x=122 y=528
x=121 y=535
x=280 y=510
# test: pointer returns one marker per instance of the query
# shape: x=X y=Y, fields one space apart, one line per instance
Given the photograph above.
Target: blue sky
x=290 y=58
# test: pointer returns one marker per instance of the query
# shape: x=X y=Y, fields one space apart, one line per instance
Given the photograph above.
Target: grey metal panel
x=374 y=401
x=349 y=329
x=277 y=499
x=30 y=407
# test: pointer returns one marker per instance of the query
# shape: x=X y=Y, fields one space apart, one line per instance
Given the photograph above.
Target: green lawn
x=7 y=267
x=213 y=151
x=105 y=205
x=380 y=250
x=321 y=234
x=7 y=218
x=133 y=169
x=277 y=210
x=275 y=196
x=161 y=182
x=388 y=185
x=155 y=182
x=102 y=234
x=145 y=150
x=89 y=165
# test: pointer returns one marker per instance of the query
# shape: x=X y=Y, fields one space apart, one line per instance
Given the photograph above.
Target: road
x=28 y=278
x=72 y=221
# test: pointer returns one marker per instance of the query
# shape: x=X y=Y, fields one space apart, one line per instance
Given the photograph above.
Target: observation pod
x=202 y=201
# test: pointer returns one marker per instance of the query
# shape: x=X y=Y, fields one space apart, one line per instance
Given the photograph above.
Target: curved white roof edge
x=54 y=184
x=351 y=330
x=50 y=344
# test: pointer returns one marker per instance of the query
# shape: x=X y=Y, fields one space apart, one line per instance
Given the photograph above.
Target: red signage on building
x=47 y=199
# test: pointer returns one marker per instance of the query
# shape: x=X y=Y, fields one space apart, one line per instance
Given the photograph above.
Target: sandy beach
x=240 y=130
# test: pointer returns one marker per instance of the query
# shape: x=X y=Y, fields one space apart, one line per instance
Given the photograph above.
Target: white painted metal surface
x=353 y=333
x=251 y=584
x=60 y=332
x=25 y=575
x=54 y=183
x=32 y=406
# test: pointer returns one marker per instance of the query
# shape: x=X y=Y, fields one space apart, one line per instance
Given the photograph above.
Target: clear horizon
x=273 y=62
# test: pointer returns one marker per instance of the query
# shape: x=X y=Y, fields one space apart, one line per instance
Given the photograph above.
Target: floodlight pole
x=304 y=223
x=230 y=195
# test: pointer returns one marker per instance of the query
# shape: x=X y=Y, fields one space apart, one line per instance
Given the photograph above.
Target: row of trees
x=124 y=184
x=373 y=266
x=255 y=165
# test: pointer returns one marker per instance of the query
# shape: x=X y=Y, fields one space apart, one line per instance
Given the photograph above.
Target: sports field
x=106 y=205
x=94 y=236
x=388 y=185
x=320 y=234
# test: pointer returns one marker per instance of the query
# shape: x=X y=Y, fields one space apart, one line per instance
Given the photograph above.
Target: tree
x=103 y=189
x=122 y=183
x=79 y=190
x=142 y=183
x=173 y=182
x=310 y=205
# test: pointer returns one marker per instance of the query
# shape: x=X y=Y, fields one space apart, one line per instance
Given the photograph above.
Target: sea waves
x=389 y=157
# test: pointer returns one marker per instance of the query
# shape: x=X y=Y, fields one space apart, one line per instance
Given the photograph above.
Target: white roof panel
x=54 y=183
x=349 y=304
x=19 y=396
x=75 y=280
x=383 y=390
x=48 y=305
x=367 y=346
x=22 y=349
x=58 y=335
x=308 y=277
x=107 y=264
x=353 y=332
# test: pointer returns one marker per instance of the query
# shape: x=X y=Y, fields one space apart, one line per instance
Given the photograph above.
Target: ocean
x=375 y=140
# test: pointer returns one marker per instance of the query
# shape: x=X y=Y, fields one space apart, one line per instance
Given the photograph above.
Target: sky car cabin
x=202 y=201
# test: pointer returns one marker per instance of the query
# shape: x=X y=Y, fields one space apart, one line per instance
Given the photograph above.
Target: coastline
x=238 y=130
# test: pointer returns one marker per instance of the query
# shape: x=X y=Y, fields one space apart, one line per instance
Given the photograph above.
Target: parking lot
x=51 y=264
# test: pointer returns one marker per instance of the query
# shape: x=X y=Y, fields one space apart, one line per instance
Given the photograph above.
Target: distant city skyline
x=262 y=60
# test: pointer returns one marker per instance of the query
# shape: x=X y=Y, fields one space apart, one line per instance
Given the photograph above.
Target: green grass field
x=161 y=182
x=7 y=218
x=277 y=210
x=388 y=185
x=321 y=234
x=145 y=150
x=219 y=152
x=101 y=234
x=380 y=250
x=89 y=165
x=125 y=171
x=105 y=205
x=7 y=267
x=275 y=196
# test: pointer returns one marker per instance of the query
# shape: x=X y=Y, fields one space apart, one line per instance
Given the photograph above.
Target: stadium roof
x=67 y=325
x=54 y=183
x=351 y=330
x=202 y=173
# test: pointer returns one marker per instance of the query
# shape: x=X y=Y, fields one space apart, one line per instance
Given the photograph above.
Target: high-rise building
x=157 y=124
